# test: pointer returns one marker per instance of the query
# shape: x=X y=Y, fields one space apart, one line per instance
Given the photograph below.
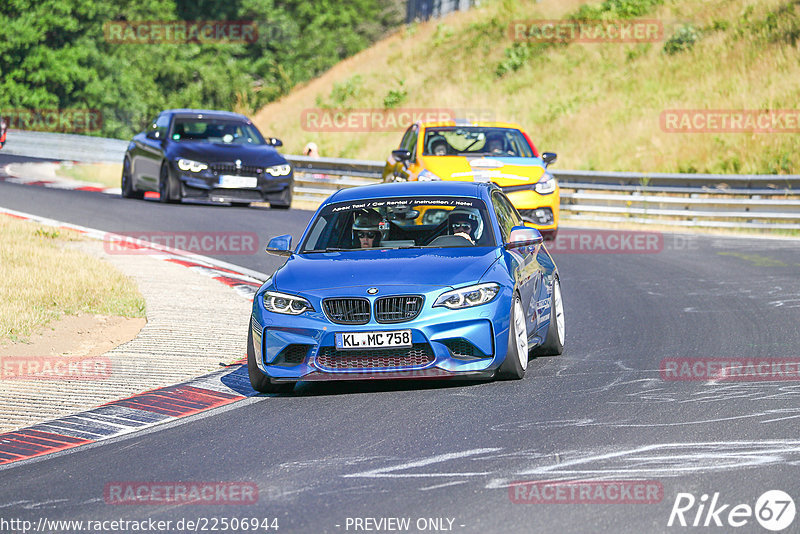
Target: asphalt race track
x=443 y=454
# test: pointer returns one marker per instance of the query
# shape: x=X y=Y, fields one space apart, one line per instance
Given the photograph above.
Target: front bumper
x=539 y=211
x=206 y=186
x=470 y=343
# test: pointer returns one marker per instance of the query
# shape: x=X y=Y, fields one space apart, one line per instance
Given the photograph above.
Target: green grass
x=597 y=105
x=107 y=174
x=42 y=279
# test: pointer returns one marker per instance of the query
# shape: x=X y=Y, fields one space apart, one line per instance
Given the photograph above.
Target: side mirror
x=549 y=157
x=274 y=141
x=280 y=246
x=401 y=154
x=523 y=236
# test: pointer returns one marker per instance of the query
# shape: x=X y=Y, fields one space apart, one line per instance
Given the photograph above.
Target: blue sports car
x=407 y=280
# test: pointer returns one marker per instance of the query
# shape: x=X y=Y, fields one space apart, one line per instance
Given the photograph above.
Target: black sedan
x=206 y=155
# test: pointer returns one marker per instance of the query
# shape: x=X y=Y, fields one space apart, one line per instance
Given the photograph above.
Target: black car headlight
x=469 y=296
x=286 y=304
x=191 y=165
x=279 y=170
x=546 y=184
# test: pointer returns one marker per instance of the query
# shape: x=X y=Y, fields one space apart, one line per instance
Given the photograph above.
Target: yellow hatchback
x=498 y=152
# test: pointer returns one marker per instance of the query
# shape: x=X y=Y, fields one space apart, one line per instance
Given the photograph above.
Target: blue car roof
x=402 y=189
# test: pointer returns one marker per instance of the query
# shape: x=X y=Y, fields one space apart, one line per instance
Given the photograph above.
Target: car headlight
x=469 y=296
x=428 y=176
x=286 y=304
x=279 y=170
x=189 y=165
x=546 y=184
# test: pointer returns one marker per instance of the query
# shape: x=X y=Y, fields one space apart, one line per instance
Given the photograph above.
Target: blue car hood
x=440 y=267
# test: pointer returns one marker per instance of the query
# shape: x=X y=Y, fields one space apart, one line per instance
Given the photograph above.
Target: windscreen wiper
x=329 y=249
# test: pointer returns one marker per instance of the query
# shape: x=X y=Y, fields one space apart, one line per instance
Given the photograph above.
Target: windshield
x=407 y=222
x=475 y=140
x=216 y=131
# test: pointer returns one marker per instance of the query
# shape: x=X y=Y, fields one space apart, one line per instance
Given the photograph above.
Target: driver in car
x=495 y=144
x=462 y=224
x=365 y=230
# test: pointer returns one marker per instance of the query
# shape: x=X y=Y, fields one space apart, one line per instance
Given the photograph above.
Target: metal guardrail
x=64 y=147
x=708 y=200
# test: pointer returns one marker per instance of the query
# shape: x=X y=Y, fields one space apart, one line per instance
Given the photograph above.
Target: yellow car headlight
x=546 y=184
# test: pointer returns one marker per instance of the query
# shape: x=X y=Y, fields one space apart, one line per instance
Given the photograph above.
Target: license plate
x=373 y=340
x=237 y=181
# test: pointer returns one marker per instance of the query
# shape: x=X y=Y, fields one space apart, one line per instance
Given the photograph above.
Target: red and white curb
x=152 y=407
x=128 y=415
x=7 y=174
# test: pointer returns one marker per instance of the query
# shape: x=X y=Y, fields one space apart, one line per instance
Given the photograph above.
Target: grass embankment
x=42 y=279
x=107 y=174
x=597 y=105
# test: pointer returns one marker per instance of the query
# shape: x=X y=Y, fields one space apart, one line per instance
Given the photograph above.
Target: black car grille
x=293 y=354
x=397 y=309
x=417 y=356
x=347 y=310
x=247 y=195
x=463 y=349
x=230 y=168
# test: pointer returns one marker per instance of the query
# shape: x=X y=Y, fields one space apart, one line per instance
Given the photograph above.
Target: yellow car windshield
x=475 y=141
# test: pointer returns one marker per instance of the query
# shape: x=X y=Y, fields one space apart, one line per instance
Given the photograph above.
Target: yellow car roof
x=465 y=122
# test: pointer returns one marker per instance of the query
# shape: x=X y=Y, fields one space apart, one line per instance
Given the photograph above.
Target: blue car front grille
x=417 y=356
x=347 y=310
x=398 y=309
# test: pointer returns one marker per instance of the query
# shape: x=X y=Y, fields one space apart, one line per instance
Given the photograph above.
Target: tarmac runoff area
x=194 y=323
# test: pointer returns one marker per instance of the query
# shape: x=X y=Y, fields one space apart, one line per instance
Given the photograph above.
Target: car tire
x=126 y=182
x=259 y=380
x=169 y=190
x=283 y=206
x=516 y=362
x=554 y=342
